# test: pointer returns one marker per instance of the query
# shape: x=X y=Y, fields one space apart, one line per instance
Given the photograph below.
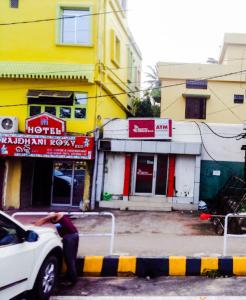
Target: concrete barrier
x=106 y=266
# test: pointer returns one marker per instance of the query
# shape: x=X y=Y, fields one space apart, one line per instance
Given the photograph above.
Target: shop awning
x=50 y=97
x=45 y=93
x=196 y=94
x=39 y=70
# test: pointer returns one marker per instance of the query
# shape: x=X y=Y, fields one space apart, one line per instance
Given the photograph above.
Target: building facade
x=212 y=92
x=157 y=164
x=73 y=60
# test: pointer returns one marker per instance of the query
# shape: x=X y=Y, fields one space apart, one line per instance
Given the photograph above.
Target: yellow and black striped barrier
x=160 y=266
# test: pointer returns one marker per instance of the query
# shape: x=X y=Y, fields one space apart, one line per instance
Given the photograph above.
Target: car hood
x=40 y=230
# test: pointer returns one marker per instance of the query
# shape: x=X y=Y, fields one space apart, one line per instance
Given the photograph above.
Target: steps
x=139 y=203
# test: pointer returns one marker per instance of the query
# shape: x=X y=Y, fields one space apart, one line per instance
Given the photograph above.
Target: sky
x=183 y=30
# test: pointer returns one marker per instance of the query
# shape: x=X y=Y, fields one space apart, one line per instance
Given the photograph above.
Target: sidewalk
x=153 y=234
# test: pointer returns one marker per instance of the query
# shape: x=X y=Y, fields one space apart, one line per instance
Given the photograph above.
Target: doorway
x=150 y=174
x=68 y=183
x=42 y=181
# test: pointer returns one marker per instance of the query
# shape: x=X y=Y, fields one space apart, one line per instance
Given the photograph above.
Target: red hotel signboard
x=45 y=137
x=155 y=129
x=45 y=124
x=69 y=147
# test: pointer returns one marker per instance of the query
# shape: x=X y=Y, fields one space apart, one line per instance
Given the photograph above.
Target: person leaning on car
x=70 y=240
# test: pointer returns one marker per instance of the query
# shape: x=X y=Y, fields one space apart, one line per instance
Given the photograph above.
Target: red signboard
x=69 y=147
x=45 y=124
x=150 y=128
x=141 y=128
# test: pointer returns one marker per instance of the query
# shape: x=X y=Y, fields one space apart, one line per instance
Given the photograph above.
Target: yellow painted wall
x=14 y=92
x=38 y=41
x=12 y=191
x=220 y=106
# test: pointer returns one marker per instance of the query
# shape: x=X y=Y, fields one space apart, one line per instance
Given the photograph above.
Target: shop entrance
x=150 y=174
x=68 y=183
x=41 y=182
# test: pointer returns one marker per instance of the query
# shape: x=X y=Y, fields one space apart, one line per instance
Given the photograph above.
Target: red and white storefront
x=53 y=165
x=145 y=165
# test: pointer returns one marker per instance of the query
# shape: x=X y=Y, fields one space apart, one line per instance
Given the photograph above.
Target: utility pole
x=94 y=179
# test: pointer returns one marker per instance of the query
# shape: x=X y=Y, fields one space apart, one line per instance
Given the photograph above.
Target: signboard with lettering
x=45 y=124
x=154 y=129
x=25 y=145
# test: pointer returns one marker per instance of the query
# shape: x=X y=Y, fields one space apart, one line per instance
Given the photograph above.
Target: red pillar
x=171 y=176
x=127 y=179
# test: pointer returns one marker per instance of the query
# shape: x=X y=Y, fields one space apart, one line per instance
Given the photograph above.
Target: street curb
x=110 y=266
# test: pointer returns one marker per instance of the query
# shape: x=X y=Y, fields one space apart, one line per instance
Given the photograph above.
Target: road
x=154 y=234
x=163 y=286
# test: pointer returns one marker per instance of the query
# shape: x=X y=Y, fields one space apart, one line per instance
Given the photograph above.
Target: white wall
x=114 y=173
x=221 y=149
x=185 y=176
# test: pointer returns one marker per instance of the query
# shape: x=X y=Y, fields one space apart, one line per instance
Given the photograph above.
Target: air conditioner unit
x=8 y=125
x=104 y=145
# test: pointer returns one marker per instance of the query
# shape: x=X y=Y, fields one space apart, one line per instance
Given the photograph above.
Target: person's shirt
x=65 y=226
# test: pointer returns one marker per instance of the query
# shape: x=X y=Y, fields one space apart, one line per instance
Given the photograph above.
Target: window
x=14 y=3
x=34 y=110
x=197 y=84
x=50 y=109
x=65 y=112
x=238 y=99
x=62 y=104
x=76 y=27
x=195 y=108
x=8 y=232
x=115 y=49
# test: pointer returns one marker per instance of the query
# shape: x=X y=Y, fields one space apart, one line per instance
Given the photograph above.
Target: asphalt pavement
x=157 y=287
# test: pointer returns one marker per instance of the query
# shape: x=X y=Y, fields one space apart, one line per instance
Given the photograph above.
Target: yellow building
x=212 y=92
x=75 y=60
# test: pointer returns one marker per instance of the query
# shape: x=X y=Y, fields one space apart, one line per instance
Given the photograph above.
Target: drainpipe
x=94 y=179
x=245 y=166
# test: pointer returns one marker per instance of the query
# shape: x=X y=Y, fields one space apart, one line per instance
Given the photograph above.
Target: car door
x=16 y=258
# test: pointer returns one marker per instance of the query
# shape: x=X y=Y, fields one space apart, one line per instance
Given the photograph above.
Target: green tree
x=144 y=109
x=154 y=84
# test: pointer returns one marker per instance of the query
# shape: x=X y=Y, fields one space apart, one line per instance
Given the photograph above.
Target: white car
x=30 y=259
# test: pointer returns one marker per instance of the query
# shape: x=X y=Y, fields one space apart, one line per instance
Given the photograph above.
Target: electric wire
x=206 y=150
x=221 y=136
x=150 y=89
x=60 y=18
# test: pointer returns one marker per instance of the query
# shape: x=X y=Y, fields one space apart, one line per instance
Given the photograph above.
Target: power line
x=59 y=18
x=221 y=136
x=225 y=105
x=206 y=78
x=206 y=150
x=161 y=87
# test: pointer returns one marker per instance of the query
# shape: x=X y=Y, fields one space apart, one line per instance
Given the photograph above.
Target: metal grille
x=14 y=3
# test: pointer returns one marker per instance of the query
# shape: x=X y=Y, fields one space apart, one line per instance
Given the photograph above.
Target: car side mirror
x=31 y=236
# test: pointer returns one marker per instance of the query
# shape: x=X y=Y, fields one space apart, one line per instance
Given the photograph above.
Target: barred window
x=238 y=99
x=14 y=3
x=197 y=84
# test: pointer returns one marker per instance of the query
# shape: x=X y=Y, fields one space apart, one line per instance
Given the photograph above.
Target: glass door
x=150 y=174
x=62 y=183
x=68 y=183
x=78 y=183
x=161 y=174
x=144 y=174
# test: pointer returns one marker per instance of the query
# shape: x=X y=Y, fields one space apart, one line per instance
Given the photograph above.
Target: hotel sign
x=25 y=145
x=154 y=129
x=45 y=124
